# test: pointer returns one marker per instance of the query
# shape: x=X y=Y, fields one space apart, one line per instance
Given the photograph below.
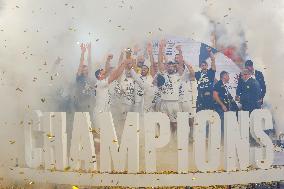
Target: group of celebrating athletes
x=143 y=85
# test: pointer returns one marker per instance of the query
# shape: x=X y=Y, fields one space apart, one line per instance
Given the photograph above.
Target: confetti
x=75 y=187
x=18 y=89
x=42 y=100
x=12 y=141
x=49 y=135
x=67 y=168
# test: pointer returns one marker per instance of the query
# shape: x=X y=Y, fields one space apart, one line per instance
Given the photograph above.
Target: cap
x=248 y=63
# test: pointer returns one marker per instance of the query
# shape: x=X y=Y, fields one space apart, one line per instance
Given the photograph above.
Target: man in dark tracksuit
x=223 y=99
x=249 y=92
x=259 y=77
x=256 y=75
x=205 y=82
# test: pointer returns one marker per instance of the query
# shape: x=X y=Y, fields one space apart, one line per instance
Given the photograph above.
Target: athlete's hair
x=222 y=74
x=97 y=73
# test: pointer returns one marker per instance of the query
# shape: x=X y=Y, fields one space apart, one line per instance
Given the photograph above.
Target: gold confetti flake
x=49 y=135
x=12 y=141
x=75 y=187
x=67 y=168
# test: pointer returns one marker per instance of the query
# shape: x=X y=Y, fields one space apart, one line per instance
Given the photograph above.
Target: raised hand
x=83 y=47
x=149 y=47
x=89 y=46
x=109 y=57
x=162 y=44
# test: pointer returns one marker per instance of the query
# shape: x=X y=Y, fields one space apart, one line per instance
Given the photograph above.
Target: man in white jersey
x=103 y=83
x=145 y=87
x=102 y=86
x=170 y=87
x=126 y=85
x=186 y=88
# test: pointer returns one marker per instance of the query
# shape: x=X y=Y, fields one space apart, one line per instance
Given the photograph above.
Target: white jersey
x=102 y=96
x=145 y=91
x=170 y=90
x=140 y=90
x=151 y=98
x=114 y=92
x=127 y=86
x=185 y=90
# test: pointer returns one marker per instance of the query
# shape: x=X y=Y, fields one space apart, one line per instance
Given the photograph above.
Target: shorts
x=187 y=107
x=171 y=108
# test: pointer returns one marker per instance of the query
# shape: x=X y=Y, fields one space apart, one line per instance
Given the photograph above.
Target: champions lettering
x=46 y=141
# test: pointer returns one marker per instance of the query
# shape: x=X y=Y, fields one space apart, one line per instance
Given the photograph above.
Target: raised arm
x=161 y=56
x=180 y=60
x=107 y=65
x=117 y=72
x=82 y=59
x=191 y=71
x=178 y=48
x=213 y=64
x=89 y=59
x=151 y=57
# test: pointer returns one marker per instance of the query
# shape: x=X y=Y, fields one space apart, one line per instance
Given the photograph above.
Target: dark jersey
x=250 y=94
x=84 y=87
x=260 y=78
x=205 y=81
x=225 y=96
x=84 y=93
